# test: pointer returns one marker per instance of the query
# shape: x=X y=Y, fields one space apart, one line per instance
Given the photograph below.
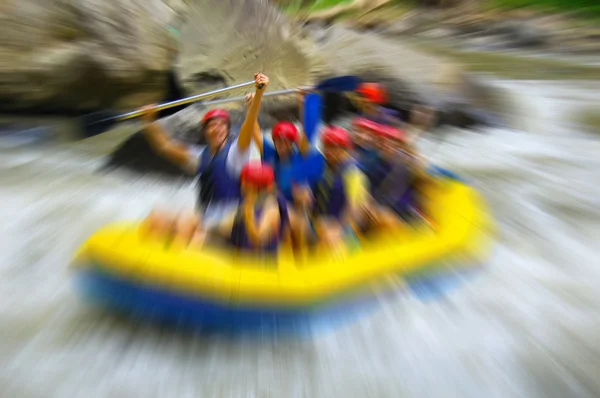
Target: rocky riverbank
x=472 y=27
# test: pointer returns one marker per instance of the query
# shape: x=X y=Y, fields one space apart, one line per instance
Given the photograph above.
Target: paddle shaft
x=184 y=101
x=242 y=98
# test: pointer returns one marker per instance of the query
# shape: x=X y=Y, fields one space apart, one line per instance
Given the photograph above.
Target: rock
x=486 y=43
x=438 y=34
x=136 y=155
x=317 y=31
x=83 y=55
x=523 y=34
x=225 y=42
x=412 y=23
x=349 y=52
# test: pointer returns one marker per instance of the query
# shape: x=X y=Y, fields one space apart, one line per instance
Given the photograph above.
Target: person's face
x=283 y=147
x=390 y=146
x=216 y=131
x=334 y=154
x=361 y=102
x=380 y=144
x=363 y=137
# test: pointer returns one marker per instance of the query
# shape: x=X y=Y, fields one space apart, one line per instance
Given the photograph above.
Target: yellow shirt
x=356 y=186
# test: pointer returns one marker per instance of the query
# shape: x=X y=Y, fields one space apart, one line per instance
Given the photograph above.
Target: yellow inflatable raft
x=219 y=289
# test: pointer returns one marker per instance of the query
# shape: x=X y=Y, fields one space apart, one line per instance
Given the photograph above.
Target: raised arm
x=262 y=231
x=162 y=144
x=257 y=135
x=251 y=121
x=304 y=143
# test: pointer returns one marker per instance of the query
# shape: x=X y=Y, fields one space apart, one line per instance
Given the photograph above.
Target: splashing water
x=525 y=326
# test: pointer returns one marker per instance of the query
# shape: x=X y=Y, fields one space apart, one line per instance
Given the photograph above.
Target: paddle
x=333 y=85
x=99 y=122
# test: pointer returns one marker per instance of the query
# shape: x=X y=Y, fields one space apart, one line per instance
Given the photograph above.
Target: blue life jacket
x=377 y=172
x=383 y=116
x=216 y=183
x=239 y=236
x=365 y=158
x=391 y=185
x=296 y=170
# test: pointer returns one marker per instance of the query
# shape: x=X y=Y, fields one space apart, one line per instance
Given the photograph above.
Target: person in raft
x=218 y=166
x=261 y=221
x=290 y=154
x=341 y=193
x=296 y=164
x=365 y=142
x=395 y=180
x=370 y=99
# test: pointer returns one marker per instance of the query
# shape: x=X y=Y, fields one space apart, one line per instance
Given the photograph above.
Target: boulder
x=523 y=34
x=224 y=42
x=370 y=55
x=82 y=55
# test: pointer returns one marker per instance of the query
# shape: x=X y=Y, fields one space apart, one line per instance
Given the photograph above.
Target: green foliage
x=590 y=8
x=325 y=4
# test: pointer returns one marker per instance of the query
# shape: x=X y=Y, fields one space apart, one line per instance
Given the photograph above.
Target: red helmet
x=370 y=125
x=285 y=130
x=374 y=92
x=258 y=174
x=337 y=136
x=215 y=113
x=393 y=133
x=362 y=122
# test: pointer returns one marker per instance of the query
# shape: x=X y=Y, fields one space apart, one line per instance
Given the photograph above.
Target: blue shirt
x=298 y=169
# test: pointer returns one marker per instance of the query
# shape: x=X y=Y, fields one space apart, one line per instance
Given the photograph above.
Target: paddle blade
x=98 y=122
x=312 y=115
x=339 y=84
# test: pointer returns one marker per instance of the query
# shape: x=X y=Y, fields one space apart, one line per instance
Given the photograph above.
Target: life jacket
x=283 y=170
x=377 y=172
x=239 y=236
x=393 y=186
x=215 y=182
x=365 y=158
x=297 y=169
x=330 y=193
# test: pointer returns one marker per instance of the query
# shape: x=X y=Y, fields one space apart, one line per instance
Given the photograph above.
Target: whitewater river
x=527 y=326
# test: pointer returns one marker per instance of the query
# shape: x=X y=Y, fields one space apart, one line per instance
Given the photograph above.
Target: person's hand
x=302 y=196
x=331 y=234
x=149 y=115
x=302 y=92
x=249 y=99
x=260 y=79
x=198 y=239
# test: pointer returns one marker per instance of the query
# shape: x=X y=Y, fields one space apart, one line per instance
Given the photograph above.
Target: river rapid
x=526 y=326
